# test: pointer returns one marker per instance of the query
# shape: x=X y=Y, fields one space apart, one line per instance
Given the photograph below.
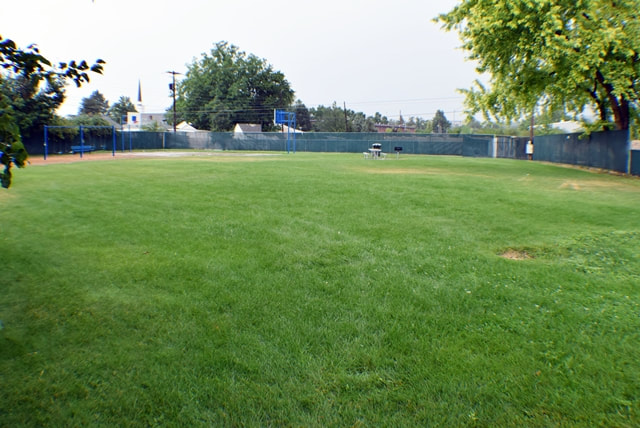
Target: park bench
x=82 y=149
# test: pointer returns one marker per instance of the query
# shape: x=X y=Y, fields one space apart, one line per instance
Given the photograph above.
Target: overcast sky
x=375 y=56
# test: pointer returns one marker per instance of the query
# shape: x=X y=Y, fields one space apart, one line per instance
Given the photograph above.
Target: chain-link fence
x=608 y=150
x=427 y=144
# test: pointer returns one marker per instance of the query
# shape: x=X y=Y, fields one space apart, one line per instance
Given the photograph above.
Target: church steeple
x=139 y=105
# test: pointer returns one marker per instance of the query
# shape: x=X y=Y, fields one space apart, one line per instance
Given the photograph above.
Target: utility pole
x=172 y=86
x=532 y=126
x=346 y=123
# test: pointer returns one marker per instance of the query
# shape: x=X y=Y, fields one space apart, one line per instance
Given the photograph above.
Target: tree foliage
x=440 y=123
x=336 y=119
x=565 y=55
x=12 y=150
x=92 y=120
x=120 y=108
x=379 y=118
x=328 y=119
x=359 y=122
x=95 y=103
x=31 y=88
x=29 y=62
x=303 y=116
x=228 y=86
x=32 y=101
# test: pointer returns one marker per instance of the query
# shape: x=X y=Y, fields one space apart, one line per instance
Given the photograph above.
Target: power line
x=410 y=100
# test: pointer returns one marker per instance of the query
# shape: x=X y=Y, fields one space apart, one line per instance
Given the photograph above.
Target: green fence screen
x=428 y=144
x=634 y=168
x=608 y=150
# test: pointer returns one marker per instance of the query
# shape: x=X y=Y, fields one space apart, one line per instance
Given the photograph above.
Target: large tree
x=329 y=119
x=228 y=86
x=337 y=119
x=559 y=55
x=95 y=103
x=30 y=81
x=440 y=123
x=33 y=102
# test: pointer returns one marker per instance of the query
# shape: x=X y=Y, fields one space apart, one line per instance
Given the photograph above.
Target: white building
x=247 y=128
x=137 y=121
x=285 y=129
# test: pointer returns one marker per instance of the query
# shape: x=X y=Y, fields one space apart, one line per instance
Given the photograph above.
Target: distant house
x=247 y=128
x=185 y=127
x=384 y=128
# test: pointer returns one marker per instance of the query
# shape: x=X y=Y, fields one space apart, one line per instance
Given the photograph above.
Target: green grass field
x=319 y=290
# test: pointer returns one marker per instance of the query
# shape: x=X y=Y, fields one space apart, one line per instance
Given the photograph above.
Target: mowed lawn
x=319 y=290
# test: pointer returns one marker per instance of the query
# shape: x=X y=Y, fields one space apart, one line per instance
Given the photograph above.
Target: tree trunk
x=619 y=106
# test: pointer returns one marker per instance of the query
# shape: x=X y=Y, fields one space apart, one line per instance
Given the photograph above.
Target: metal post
x=288 y=133
x=122 y=131
x=113 y=131
x=46 y=141
x=81 y=141
x=174 y=102
x=294 y=132
x=346 y=123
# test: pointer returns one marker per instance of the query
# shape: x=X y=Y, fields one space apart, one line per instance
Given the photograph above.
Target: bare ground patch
x=573 y=185
x=106 y=156
x=591 y=185
x=415 y=171
x=513 y=254
x=72 y=158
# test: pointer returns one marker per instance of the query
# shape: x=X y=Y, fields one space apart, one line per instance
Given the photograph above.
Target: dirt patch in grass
x=573 y=185
x=513 y=254
x=593 y=185
x=421 y=171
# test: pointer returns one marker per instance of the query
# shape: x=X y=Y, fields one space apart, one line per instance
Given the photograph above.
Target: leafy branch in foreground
x=12 y=152
x=29 y=62
x=30 y=68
